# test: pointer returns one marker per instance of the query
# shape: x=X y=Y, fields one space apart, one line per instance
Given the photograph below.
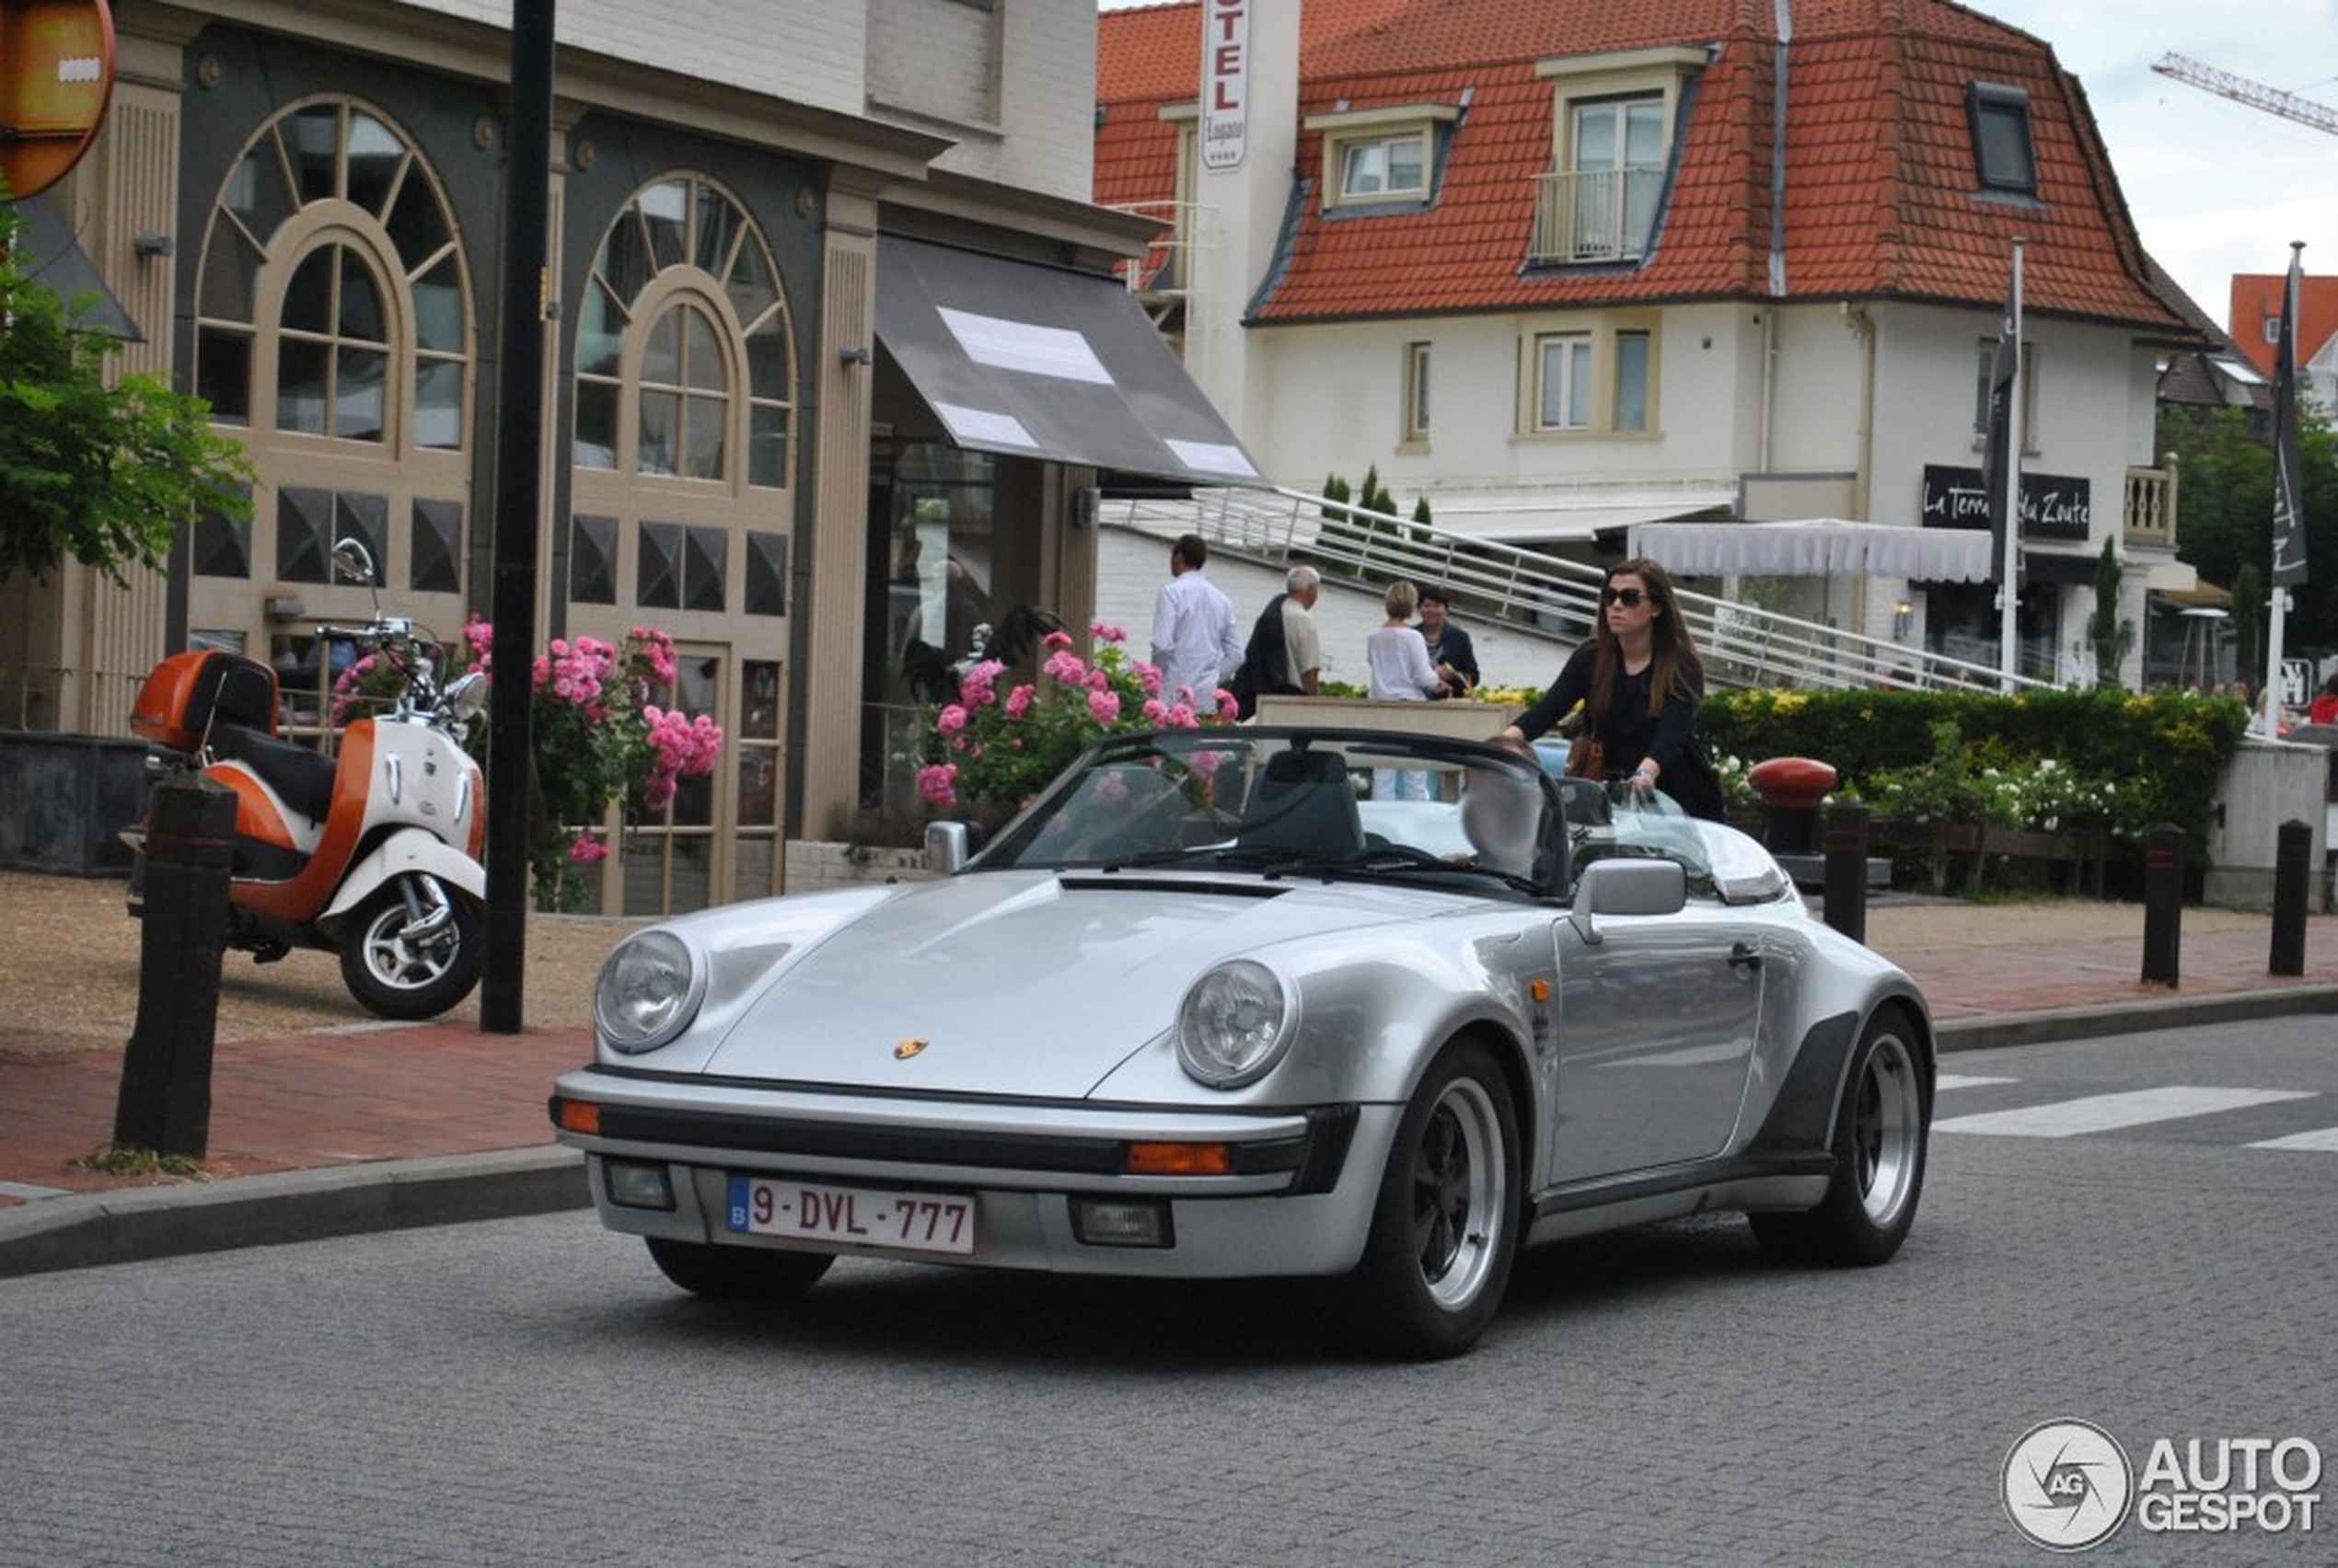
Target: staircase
x=1536 y=594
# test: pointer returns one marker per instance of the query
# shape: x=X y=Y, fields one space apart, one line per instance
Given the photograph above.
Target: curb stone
x=139 y=1224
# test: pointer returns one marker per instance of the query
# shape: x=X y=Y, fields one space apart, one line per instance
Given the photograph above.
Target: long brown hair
x=1673 y=663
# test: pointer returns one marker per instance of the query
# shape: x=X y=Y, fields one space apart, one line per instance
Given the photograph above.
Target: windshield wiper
x=1408 y=862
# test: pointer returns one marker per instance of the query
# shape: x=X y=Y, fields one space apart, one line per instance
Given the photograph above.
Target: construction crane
x=2256 y=95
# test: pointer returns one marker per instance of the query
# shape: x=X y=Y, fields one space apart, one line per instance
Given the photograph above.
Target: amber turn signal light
x=577 y=1116
x=1179 y=1159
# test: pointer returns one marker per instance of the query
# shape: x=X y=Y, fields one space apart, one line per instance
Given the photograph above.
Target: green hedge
x=2164 y=751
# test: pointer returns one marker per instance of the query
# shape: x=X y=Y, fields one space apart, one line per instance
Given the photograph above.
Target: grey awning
x=47 y=253
x=1040 y=362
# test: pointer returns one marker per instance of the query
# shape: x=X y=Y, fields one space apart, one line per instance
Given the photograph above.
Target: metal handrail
x=1541 y=596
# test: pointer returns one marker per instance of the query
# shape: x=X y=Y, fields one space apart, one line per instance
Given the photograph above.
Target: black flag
x=1996 y=449
x=2288 y=519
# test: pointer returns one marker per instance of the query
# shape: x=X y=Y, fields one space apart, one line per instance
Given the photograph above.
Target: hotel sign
x=1225 y=82
x=2053 y=507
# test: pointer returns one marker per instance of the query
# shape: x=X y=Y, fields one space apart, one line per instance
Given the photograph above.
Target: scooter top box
x=188 y=693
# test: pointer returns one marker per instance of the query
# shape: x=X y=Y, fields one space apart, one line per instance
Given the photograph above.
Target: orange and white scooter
x=373 y=853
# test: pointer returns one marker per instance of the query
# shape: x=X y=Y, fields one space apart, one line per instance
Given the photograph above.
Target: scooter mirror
x=353 y=562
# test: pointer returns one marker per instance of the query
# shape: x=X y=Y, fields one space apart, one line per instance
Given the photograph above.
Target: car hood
x=1021 y=983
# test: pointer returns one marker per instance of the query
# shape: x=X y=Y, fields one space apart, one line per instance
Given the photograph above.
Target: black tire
x=737 y=1274
x=410 y=978
x=1881 y=1131
x=1445 y=1230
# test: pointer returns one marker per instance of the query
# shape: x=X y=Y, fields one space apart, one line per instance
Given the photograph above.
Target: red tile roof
x=1883 y=198
x=2256 y=299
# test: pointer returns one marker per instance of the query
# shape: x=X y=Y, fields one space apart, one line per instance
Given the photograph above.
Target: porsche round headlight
x=1233 y=1024
x=648 y=992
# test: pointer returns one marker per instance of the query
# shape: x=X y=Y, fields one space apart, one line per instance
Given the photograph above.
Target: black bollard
x=1846 y=868
x=2292 y=870
x=165 y=1104
x=2162 y=904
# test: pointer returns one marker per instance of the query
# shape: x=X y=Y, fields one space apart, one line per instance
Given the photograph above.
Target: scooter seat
x=301 y=776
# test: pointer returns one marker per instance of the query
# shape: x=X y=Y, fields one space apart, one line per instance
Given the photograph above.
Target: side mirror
x=1626 y=887
x=948 y=845
x=353 y=562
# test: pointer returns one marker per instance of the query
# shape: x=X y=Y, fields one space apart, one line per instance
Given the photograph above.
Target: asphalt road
x=531 y=1391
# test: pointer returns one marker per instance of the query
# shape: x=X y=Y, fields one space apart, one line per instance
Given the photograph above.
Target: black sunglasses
x=1630 y=598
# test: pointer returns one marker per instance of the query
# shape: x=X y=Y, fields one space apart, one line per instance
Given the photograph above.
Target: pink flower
x=1149 y=677
x=952 y=719
x=939 y=784
x=1156 y=711
x=1111 y=789
x=977 y=690
x=1065 y=667
x=1103 y=633
x=588 y=849
x=1019 y=700
x=1056 y=640
x=1105 y=706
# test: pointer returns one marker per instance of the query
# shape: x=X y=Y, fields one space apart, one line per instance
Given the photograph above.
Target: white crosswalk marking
x=2107 y=1112
x=1967 y=1080
x=2321 y=1140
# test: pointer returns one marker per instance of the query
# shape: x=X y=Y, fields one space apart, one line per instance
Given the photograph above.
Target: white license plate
x=865 y=1216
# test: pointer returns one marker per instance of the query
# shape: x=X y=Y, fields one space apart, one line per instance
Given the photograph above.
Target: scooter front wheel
x=414 y=951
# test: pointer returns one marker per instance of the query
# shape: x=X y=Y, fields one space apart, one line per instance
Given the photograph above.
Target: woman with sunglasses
x=1639 y=682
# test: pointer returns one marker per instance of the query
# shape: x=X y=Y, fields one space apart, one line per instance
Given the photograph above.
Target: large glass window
x=333 y=337
x=368 y=336
x=1619 y=170
x=683 y=317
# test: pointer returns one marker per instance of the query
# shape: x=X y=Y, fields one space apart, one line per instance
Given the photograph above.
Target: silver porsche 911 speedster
x=1246 y=1001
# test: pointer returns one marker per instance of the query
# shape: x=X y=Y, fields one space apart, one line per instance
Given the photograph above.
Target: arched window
x=684 y=278
x=334 y=338
x=681 y=462
x=338 y=201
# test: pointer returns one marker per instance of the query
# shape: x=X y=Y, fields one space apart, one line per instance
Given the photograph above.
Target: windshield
x=1341 y=804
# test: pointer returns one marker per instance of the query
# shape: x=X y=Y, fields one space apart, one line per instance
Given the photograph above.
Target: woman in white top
x=1400 y=670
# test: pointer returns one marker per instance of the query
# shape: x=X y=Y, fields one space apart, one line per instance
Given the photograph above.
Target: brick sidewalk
x=347 y=1097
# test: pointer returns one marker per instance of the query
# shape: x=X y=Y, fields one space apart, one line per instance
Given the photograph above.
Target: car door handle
x=1744 y=954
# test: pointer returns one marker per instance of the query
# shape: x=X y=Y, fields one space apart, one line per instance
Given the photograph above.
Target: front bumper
x=1296 y=1197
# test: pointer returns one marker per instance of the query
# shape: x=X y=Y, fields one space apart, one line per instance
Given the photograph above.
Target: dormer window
x=2002 y=147
x=1387 y=167
x=1614 y=120
x=1378 y=159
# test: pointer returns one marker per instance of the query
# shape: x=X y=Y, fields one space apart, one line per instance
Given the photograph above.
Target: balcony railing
x=2148 y=516
x=1595 y=214
x=1166 y=266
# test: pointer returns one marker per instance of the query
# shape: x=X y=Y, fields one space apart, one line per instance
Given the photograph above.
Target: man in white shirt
x=1193 y=630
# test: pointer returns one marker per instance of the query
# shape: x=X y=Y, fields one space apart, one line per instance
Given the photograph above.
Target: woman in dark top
x=1639 y=681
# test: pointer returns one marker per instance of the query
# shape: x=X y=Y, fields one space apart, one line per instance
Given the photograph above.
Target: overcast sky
x=2216 y=187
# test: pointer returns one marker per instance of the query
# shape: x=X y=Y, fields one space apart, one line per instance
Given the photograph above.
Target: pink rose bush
x=599 y=740
x=986 y=754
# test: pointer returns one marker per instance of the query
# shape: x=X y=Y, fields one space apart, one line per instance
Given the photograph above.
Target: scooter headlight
x=649 y=991
x=1234 y=1025
x=467 y=696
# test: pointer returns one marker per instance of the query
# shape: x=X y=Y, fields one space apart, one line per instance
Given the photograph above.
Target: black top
x=1629 y=733
x=1453 y=648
